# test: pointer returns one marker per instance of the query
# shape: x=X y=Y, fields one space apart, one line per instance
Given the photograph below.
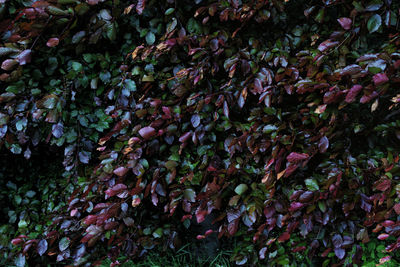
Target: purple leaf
x=147 y=132
x=337 y=241
x=58 y=130
x=345 y=23
x=84 y=157
x=351 y=70
x=296 y=157
x=226 y=109
x=25 y=57
x=340 y=253
x=52 y=42
x=380 y=78
x=120 y=171
x=351 y=95
x=195 y=120
x=9 y=64
x=323 y=144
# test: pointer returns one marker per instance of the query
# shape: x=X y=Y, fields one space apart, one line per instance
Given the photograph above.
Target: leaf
x=240 y=189
x=115 y=190
x=42 y=247
x=84 y=157
x=380 y=79
x=374 y=23
x=58 y=130
x=351 y=70
x=120 y=171
x=9 y=64
x=64 y=243
x=147 y=132
x=312 y=184
x=226 y=109
x=150 y=38
x=195 y=120
x=284 y=237
x=323 y=144
x=327 y=44
x=25 y=57
x=337 y=241
x=189 y=195
x=351 y=95
x=76 y=66
x=78 y=37
x=20 y=260
x=140 y=6
x=296 y=157
x=383 y=236
x=52 y=42
x=345 y=23
x=340 y=253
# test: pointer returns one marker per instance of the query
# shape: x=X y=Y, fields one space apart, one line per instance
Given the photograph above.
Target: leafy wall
x=279 y=118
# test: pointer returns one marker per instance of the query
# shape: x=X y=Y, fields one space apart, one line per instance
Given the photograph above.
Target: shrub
x=278 y=117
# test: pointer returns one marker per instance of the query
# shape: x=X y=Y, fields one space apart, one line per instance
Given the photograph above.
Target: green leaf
x=312 y=184
x=240 y=189
x=63 y=244
x=158 y=233
x=374 y=23
x=130 y=85
x=189 y=194
x=76 y=66
x=150 y=38
x=169 y=11
x=22 y=224
x=269 y=128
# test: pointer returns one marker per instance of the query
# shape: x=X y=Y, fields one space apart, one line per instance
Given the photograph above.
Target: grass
x=181 y=258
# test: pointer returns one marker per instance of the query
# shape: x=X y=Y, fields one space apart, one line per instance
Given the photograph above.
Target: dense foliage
x=278 y=119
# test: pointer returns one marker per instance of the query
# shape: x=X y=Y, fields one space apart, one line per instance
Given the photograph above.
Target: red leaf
x=327 y=44
x=147 y=132
x=91 y=219
x=345 y=23
x=382 y=184
x=351 y=95
x=285 y=236
x=397 y=208
x=323 y=144
x=383 y=236
x=16 y=241
x=209 y=232
x=258 y=86
x=185 y=137
x=233 y=227
x=52 y=42
x=380 y=78
x=116 y=189
x=296 y=157
x=200 y=215
x=199 y=237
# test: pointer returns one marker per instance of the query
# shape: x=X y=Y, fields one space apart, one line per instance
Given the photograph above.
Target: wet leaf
x=374 y=23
